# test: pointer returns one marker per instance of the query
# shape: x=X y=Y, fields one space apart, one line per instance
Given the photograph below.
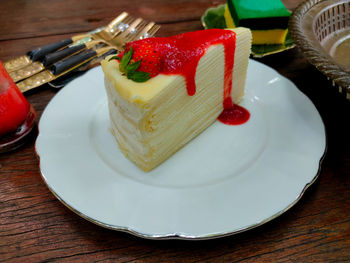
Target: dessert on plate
x=163 y=92
x=268 y=20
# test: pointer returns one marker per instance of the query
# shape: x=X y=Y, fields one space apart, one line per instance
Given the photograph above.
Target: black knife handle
x=62 y=66
x=51 y=58
x=109 y=52
x=40 y=52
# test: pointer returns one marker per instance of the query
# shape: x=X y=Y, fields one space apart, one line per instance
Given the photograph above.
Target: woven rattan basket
x=321 y=29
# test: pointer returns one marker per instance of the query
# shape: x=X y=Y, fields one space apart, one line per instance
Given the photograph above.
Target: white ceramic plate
x=227 y=180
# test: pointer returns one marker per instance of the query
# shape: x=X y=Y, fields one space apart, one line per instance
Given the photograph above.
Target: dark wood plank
x=33 y=18
x=17 y=47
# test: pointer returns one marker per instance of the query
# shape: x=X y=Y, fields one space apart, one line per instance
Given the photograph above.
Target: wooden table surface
x=36 y=227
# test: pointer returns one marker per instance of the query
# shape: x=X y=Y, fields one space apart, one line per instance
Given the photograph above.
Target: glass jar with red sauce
x=17 y=116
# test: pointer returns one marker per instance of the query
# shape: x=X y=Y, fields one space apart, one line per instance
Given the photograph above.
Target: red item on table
x=14 y=107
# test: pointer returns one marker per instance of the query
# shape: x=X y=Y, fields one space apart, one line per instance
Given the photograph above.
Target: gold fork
x=138 y=29
x=37 y=66
x=117 y=26
x=122 y=29
x=25 y=60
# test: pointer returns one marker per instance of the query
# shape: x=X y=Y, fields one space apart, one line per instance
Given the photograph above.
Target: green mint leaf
x=114 y=57
x=121 y=68
x=125 y=60
x=139 y=76
x=131 y=68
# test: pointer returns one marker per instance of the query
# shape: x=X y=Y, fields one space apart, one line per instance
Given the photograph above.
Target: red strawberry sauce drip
x=234 y=114
x=180 y=54
x=14 y=107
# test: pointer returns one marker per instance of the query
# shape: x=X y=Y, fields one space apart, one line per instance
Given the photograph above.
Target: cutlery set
x=78 y=53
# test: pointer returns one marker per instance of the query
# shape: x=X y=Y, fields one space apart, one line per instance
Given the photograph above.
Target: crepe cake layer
x=152 y=120
x=268 y=20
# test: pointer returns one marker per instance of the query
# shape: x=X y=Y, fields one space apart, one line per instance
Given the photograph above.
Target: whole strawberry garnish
x=150 y=59
x=139 y=61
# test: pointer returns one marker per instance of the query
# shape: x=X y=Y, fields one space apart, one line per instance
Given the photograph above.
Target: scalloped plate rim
x=48 y=179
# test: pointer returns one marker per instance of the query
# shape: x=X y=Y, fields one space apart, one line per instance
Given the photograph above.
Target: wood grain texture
x=36 y=227
x=33 y=18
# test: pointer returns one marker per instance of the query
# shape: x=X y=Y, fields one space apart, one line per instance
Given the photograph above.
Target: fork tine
x=116 y=21
x=145 y=29
x=133 y=35
x=120 y=40
x=127 y=21
x=121 y=27
x=153 y=30
x=108 y=33
x=132 y=27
